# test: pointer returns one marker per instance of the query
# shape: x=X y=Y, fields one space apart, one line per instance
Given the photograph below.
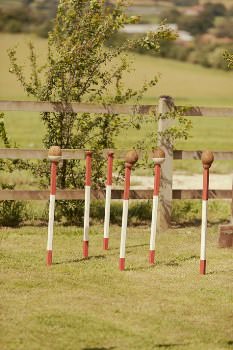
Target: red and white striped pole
x=207 y=159
x=130 y=160
x=108 y=199
x=87 y=204
x=54 y=155
x=158 y=158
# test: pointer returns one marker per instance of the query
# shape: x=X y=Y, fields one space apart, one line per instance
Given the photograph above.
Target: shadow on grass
x=197 y=223
x=145 y=268
x=169 y=345
x=178 y=261
x=102 y=348
x=95 y=257
x=217 y=271
x=131 y=246
x=175 y=262
x=229 y=342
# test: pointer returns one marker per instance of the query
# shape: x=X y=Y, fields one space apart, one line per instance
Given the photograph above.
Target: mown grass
x=89 y=304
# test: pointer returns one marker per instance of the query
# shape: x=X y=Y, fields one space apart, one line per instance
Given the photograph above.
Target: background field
x=90 y=305
x=188 y=84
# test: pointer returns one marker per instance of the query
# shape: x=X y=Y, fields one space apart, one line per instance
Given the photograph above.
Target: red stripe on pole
x=110 y=166
x=53 y=178
x=85 y=249
x=88 y=168
x=202 y=267
x=127 y=181
x=205 y=184
x=49 y=257
x=105 y=243
x=157 y=179
x=152 y=257
x=121 y=264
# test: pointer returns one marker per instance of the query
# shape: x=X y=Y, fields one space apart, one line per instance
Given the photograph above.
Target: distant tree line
x=205 y=20
x=29 y=16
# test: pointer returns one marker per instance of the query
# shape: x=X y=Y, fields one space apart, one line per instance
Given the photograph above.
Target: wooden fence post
x=232 y=203
x=166 y=104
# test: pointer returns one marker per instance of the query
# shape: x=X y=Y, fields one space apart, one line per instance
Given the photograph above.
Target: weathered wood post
x=166 y=105
x=226 y=231
x=232 y=203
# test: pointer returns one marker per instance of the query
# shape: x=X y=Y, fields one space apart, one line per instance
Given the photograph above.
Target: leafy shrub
x=70 y=212
x=189 y=212
x=13 y=26
x=186 y=2
x=216 y=60
x=228 y=56
x=12 y=213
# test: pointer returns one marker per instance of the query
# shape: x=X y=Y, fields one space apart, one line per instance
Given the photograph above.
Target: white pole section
x=87 y=204
x=207 y=159
x=158 y=158
x=54 y=155
x=108 y=200
x=131 y=158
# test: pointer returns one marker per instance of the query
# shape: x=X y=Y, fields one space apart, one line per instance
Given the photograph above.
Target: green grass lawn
x=90 y=305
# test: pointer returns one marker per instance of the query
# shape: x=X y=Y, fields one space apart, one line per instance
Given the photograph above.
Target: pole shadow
x=94 y=257
x=131 y=246
x=102 y=348
x=217 y=271
x=169 y=345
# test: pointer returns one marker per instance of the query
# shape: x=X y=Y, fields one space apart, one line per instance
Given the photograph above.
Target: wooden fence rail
x=41 y=154
x=35 y=106
x=166 y=194
x=99 y=194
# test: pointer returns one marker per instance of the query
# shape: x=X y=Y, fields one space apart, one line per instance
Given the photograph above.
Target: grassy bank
x=90 y=305
x=188 y=84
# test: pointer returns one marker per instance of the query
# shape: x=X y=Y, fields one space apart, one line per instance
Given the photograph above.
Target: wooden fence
x=167 y=193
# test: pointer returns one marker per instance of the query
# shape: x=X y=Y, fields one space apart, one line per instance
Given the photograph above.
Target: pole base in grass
x=105 y=243
x=202 y=267
x=49 y=257
x=151 y=257
x=85 y=249
x=121 y=264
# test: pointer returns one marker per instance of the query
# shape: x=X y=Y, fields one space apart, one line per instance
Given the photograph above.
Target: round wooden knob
x=131 y=157
x=158 y=156
x=158 y=153
x=110 y=153
x=55 y=153
x=207 y=159
x=88 y=153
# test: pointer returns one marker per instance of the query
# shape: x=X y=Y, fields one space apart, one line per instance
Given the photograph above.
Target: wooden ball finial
x=207 y=159
x=110 y=153
x=54 y=153
x=131 y=157
x=88 y=153
x=158 y=156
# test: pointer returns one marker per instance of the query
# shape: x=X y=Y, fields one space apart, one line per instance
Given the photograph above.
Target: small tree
x=80 y=68
x=229 y=59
